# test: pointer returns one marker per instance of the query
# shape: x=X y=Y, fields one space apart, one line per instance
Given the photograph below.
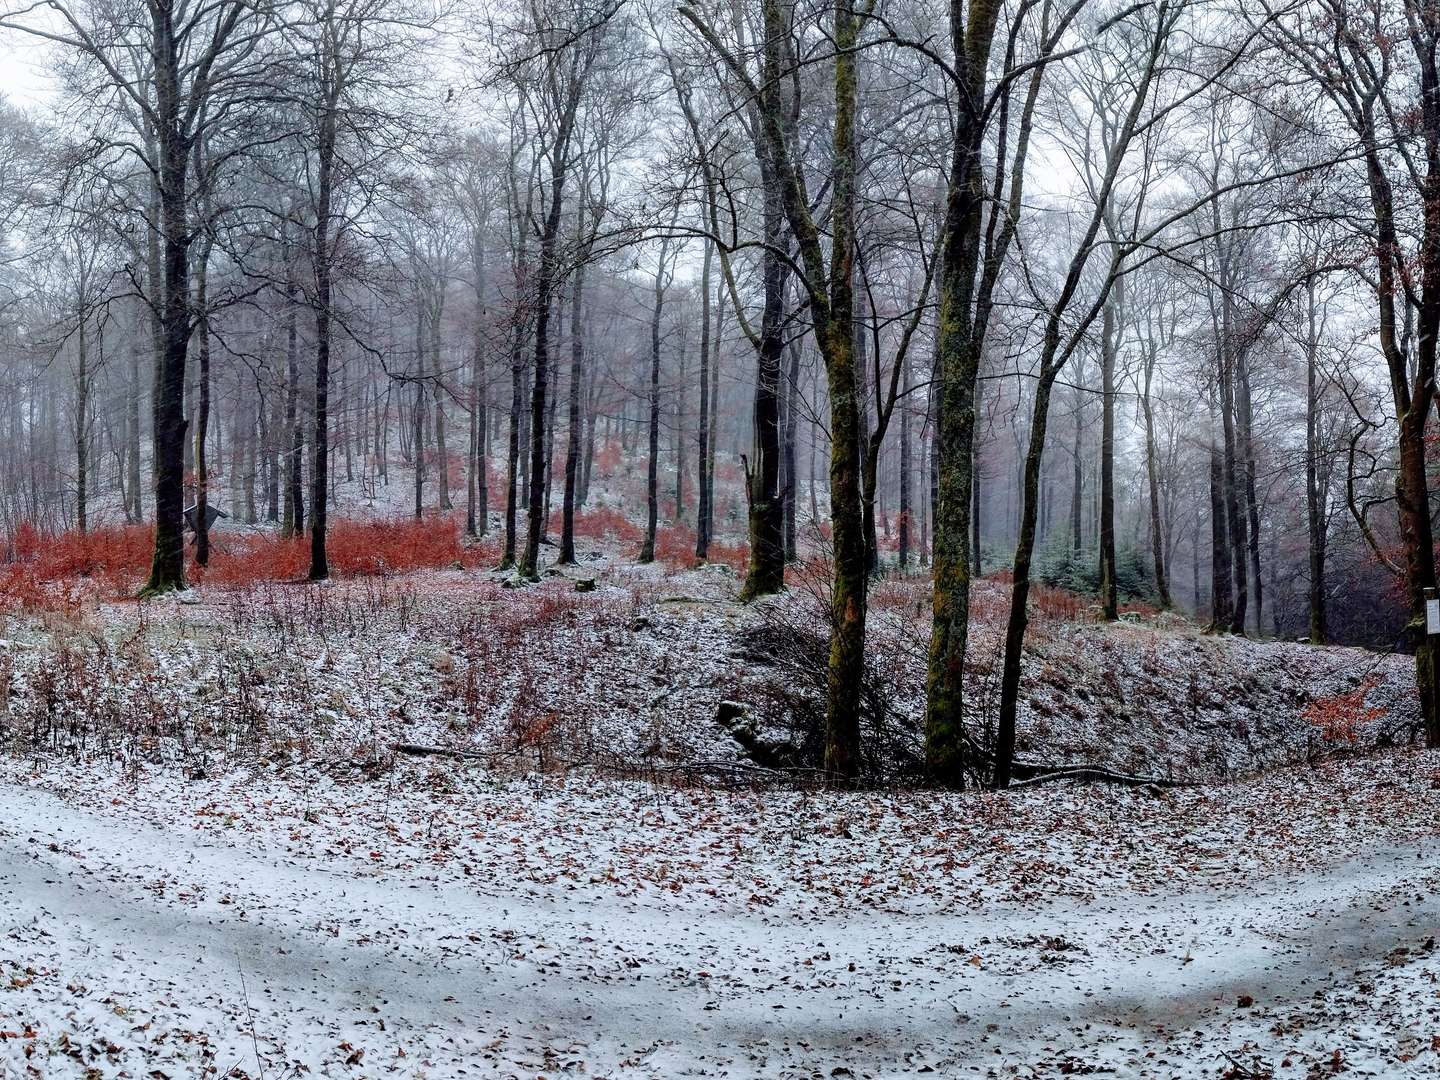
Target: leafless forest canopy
x=1138 y=299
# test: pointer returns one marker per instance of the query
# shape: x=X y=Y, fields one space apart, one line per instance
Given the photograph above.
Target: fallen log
x=417 y=750
x=1036 y=774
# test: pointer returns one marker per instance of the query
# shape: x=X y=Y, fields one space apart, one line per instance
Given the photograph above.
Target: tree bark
x=765 y=573
x=702 y=435
x=958 y=348
x=652 y=459
x=202 y=406
x=1152 y=476
x=1314 y=497
x=322 y=256
x=167 y=567
x=1110 y=330
x=575 y=432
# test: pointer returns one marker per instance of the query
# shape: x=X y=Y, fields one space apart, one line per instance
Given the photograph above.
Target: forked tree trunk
x=539 y=412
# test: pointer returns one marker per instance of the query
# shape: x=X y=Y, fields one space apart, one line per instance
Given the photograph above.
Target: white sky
x=23 y=78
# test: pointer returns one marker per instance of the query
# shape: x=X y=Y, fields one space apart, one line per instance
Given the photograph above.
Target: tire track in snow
x=456 y=973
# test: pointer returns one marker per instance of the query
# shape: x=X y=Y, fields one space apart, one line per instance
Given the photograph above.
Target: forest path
x=272 y=965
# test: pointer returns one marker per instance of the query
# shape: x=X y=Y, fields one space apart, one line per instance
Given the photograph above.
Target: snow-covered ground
x=443 y=922
x=216 y=861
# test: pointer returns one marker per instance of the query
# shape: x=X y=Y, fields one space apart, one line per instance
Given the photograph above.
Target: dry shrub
x=601 y=523
x=44 y=571
x=735 y=556
x=1341 y=718
x=675 y=546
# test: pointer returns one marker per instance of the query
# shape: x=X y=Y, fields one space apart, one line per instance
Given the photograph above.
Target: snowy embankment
x=449 y=923
x=630 y=677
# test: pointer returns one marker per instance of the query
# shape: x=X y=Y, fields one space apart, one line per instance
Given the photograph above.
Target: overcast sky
x=23 y=80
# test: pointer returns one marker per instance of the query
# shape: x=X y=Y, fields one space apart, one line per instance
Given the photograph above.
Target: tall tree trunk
x=1109 y=334
x=652 y=460
x=417 y=439
x=1152 y=475
x=1232 y=482
x=82 y=418
x=293 y=522
x=958 y=348
x=1020 y=590
x=512 y=455
x=477 y=494
x=702 y=435
x=765 y=573
x=322 y=255
x=1246 y=450
x=906 y=466
x=550 y=426
x=848 y=590
x=546 y=287
x=271 y=418
x=1314 y=498
x=792 y=428
x=715 y=356
x=202 y=405
x=679 y=434
x=135 y=510
x=592 y=419
x=575 y=432
x=1221 y=603
x=442 y=451
x=167 y=567
x=869 y=445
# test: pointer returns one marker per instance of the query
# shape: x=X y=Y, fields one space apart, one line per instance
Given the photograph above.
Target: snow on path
x=140 y=951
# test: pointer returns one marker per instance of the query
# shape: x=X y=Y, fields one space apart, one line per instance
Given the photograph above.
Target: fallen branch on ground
x=1043 y=774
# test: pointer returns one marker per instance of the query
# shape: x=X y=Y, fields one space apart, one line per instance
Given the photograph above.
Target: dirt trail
x=288 y=962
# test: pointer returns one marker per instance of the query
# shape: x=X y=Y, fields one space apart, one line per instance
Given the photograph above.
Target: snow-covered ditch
x=631 y=677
